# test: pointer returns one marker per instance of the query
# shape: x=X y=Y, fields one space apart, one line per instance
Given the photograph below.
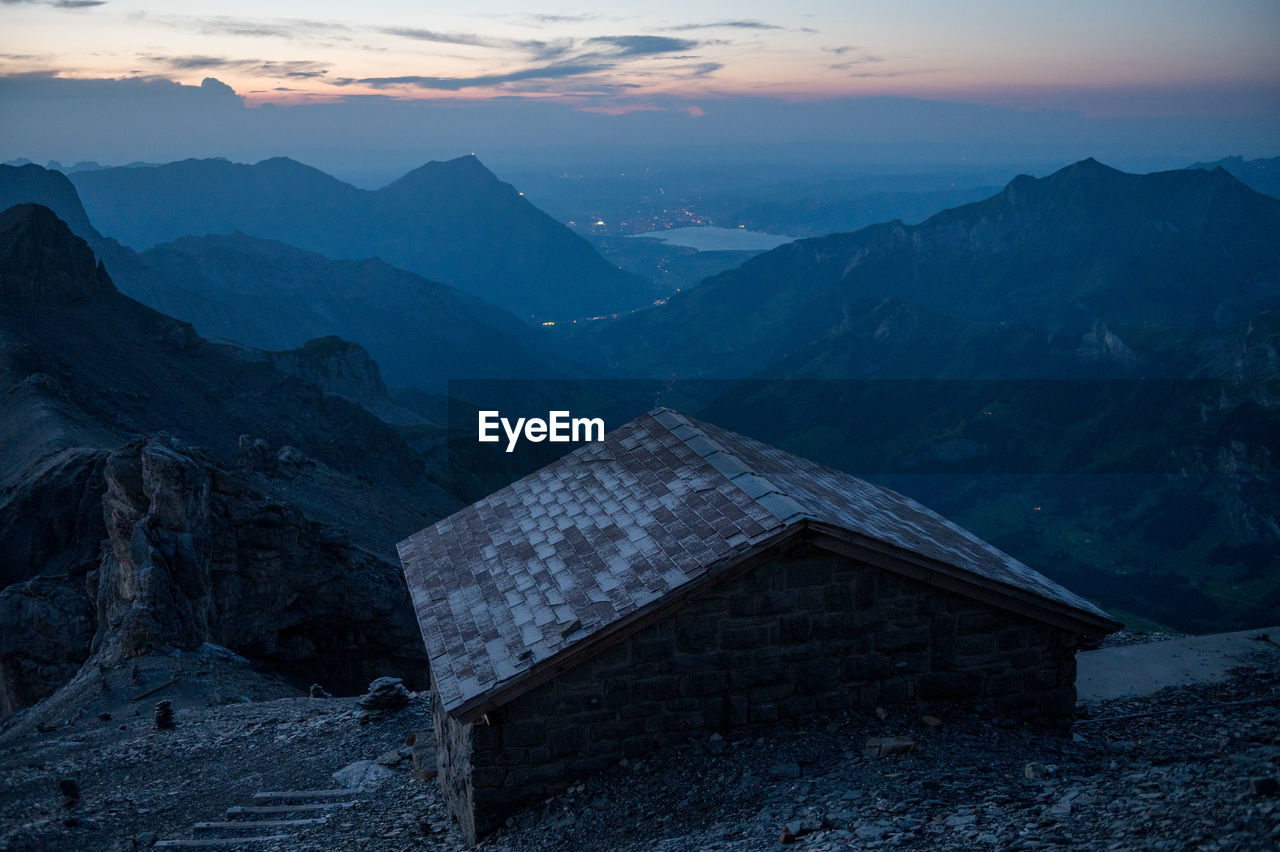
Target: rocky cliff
x=196 y=554
x=160 y=495
x=332 y=364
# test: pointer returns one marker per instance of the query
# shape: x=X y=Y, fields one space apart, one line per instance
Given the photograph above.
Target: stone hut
x=677 y=579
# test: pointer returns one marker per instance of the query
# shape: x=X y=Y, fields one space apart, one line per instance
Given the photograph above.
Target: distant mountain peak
x=41 y=261
x=1262 y=175
x=1086 y=169
x=288 y=164
x=31 y=183
x=465 y=168
x=451 y=221
x=1097 y=190
x=1235 y=160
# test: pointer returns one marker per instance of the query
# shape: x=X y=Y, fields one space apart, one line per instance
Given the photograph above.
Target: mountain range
x=242 y=505
x=1262 y=174
x=268 y=295
x=1081 y=368
x=1056 y=255
x=452 y=221
x=815 y=217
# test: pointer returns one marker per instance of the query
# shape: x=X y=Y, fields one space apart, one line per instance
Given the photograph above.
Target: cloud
x=57 y=4
x=702 y=69
x=289 y=28
x=563 y=19
x=213 y=84
x=537 y=48
x=851 y=63
x=620 y=109
x=437 y=37
x=602 y=53
x=724 y=25
x=643 y=45
x=190 y=63
x=843 y=49
x=553 y=71
x=290 y=68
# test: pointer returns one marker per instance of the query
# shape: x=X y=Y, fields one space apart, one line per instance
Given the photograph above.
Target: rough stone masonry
x=802 y=631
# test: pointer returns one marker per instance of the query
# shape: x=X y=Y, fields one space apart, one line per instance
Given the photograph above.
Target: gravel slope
x=1192 y=767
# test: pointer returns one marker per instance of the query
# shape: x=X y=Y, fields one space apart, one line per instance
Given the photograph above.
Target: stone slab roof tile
x=547 y=562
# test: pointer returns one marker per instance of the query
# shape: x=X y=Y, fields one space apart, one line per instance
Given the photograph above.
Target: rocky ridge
x=239 y=506
x=196 y=555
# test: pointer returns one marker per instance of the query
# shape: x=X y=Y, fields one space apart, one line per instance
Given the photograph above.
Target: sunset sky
x=614 y=55
x=1183 y=59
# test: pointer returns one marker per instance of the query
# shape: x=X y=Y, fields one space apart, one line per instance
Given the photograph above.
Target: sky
x=1163 y=68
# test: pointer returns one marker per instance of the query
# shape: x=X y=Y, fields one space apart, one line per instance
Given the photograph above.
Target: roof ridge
x=762 y=490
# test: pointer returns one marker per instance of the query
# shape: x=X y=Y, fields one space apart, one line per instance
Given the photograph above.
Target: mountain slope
x=452 y=221
x=252 y=511
x=813 y=217
x=1086 y=244
x=269 y=295
x=1090 y=376
x=1262 y=175
x=72 y=340
x=31 y=184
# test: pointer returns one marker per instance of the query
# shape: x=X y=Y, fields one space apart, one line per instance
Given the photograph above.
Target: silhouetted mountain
x=269 y=295
x=39 y=265
x=125 y=368
x=1086 y=244
x=812 y=217
x=452 y=221
x=259 y=541
x=1261 y=174
x=1156 y=497
x=32 y=184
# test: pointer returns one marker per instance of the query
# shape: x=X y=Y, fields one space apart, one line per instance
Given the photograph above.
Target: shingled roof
x=544 y=569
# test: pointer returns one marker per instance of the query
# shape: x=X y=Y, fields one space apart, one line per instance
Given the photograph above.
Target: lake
x=717 y=239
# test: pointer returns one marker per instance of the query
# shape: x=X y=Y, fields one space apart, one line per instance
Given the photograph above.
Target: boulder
x=887 y=746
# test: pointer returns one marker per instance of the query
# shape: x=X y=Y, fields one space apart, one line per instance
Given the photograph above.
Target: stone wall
x=802 y=631
x=453 y=764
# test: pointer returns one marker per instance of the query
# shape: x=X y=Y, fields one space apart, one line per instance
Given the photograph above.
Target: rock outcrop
x=48 y=629
x=265 y=525
x=197 y=555
x=335 y=366
x=40 y=262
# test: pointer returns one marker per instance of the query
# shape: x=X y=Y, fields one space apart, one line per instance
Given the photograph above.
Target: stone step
x=207 y=842
x=255 y=824
x=254 y=810
x=307 y=795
